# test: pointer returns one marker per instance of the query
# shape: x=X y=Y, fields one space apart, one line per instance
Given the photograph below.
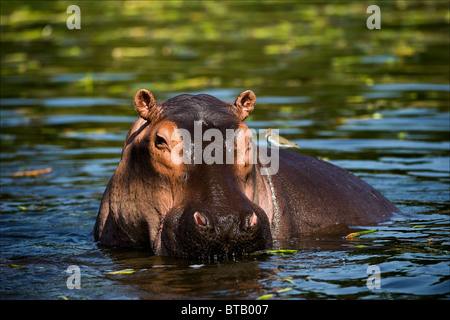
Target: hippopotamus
x=199 y=209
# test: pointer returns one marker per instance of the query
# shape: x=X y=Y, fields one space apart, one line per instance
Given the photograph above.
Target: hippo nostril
x=253 y=220
x=200 y=219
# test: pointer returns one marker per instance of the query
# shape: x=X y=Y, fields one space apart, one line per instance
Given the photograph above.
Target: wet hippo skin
x=200 y=209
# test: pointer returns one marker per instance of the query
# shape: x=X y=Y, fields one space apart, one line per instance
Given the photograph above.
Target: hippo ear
x=144 y=102
x=245 y=104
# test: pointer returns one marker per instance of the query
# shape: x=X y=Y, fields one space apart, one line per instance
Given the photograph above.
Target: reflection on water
x=373 y=102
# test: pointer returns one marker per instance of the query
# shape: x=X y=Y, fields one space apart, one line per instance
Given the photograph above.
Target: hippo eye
x=160 y=142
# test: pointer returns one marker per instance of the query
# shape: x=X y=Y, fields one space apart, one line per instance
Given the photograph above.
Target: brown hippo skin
x=203 y=210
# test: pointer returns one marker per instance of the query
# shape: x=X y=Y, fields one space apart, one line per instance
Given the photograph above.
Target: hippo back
x=313 y=194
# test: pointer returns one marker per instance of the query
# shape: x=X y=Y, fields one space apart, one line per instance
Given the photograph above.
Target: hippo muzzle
x=215 y=230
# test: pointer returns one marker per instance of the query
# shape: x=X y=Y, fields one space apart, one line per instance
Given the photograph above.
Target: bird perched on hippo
x=161 y=197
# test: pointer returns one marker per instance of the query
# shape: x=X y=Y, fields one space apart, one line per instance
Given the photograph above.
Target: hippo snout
x=203 y=233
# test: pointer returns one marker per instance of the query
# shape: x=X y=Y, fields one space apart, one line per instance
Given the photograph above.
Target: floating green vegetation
x=125 y=271
x=271 y=295
x=355 y=235
x=279 y=252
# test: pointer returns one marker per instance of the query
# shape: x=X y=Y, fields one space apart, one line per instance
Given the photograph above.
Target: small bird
x=278 y=141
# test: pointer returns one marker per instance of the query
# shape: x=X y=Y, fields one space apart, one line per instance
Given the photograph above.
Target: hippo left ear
x=144 y=102
x=245 y=104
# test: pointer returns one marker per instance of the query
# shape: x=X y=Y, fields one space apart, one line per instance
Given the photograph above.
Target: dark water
x=375 y=102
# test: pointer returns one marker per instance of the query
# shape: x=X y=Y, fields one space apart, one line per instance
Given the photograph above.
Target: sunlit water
x=71 y=114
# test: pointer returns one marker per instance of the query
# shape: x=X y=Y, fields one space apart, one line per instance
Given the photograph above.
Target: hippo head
x=204 y=202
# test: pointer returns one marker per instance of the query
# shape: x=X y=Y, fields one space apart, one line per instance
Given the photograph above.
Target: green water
x=375 y=102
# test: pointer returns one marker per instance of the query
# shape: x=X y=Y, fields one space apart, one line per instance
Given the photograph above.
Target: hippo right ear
x=245 y=104
x=144 y=102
